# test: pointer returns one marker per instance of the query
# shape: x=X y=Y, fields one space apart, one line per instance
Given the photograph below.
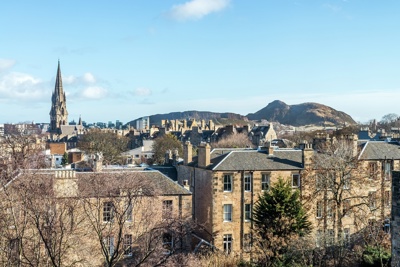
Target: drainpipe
x=241 y=211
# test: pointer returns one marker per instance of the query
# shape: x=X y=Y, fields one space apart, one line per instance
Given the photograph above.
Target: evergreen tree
x=279 y=219
x=64 y=160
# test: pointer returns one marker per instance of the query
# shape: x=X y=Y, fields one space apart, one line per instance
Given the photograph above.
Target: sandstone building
x=92 y=218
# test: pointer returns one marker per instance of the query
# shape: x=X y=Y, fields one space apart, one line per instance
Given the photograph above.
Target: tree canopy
x=279 y=219
x=234 y=140
x=164 y=143
x=109 y=144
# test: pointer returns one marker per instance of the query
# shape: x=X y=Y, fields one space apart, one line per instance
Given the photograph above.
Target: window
x=346 y=183
x=330 y=238
x=168 y=243
x=319 y=208
x=128 y=211
x=346 y=207
x=247 y=182
x=295 y=180
x=265 y=182
x=346 y=236
x=387 y=198
x=247 y=242
x=386 y=226
x=372 y=166
x=388 y=170
x=372 y=200
x=228 y=243
x=128 y=245
x=319 y=182
x=227 y=183
x=108 y=211
x=167 y=209
x=247 y=212
x=330 y=211
x=109 y=244
x=319 y=238
x=227 y=212
x=14 y=252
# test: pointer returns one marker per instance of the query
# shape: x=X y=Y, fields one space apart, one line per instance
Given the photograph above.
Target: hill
x=276 y=111
x=301 y=114
x=218 y=118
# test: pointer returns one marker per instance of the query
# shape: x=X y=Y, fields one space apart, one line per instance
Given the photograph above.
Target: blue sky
x=127 y=59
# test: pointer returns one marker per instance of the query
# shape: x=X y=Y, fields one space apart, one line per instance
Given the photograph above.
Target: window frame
x=127 y=245
x=108 y=211
x=295 y=177
x=372 y=200
x=247 y=181
x=227 y=212
x=346 y=236
x=167 y=208
x=387 y=170
x=247 y=212
x=227 y=243
x=319 y=238
x=373 y=170
x=387 y=199
x=330 y=237
x=247 y=242
x=265 y=181
x=319 y=209
x=330 y=209
x=109 y=244
x=228 y=182
x=129 y=211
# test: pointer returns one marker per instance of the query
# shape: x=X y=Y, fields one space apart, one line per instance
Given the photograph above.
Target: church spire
x=58 y=87
x=58 y=112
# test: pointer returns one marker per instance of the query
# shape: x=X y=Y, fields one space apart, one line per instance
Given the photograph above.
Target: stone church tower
x=58 y=112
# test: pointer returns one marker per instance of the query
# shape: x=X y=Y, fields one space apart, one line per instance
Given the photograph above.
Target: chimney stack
x=187 y=153
x=204 y=155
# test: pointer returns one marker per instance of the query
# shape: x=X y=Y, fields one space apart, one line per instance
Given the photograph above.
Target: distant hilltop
x=301 y=114
x=276 y=111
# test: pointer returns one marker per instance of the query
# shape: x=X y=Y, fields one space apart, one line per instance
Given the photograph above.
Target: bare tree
x=234 y=140
x=109 y=144
x=129 y=221
x=334 y=188
x=20 y=151
x=40 y=228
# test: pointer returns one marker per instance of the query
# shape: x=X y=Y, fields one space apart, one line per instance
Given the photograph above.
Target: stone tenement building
x=227 y=182
x=92 y=218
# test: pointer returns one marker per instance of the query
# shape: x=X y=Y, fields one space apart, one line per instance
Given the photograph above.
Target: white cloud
x=71 y=79
x=21 y=86
x=142 y=91
x=94 y=92
x=6 y=64
x=89 y=78
x=196 y=9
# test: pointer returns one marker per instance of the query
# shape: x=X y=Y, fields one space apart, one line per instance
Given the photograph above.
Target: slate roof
x=255 y=160
x=235 y=159
x=163 y=184
x=113 y=181
x=378 y=150
x=70 y=129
